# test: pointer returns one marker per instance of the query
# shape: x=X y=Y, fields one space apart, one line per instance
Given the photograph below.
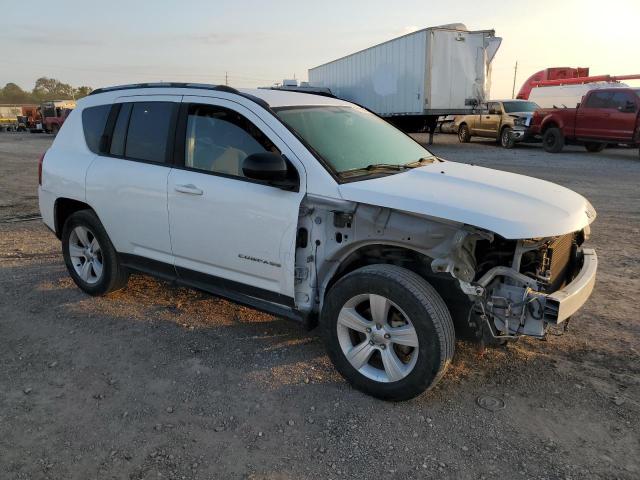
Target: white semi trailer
x=413 y=79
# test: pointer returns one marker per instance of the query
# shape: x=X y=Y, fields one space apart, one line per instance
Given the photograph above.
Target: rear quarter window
x=94 y=120
x=149 y=129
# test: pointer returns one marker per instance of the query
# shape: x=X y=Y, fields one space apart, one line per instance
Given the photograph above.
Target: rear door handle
x=189 y=189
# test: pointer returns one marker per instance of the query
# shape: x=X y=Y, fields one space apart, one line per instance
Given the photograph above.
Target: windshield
x=510 y=107
x=350 y=138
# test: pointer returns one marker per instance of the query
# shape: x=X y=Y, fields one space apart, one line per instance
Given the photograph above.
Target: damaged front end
x=523 y=286
x=515 y=287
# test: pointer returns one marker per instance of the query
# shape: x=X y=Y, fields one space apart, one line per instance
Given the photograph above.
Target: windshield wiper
x=376 y=166
x=392 y=166
x=420 y=162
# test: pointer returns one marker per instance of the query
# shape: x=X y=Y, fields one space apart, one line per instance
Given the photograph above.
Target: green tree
x=52 y=89
x=12 y=93
x=82 y=92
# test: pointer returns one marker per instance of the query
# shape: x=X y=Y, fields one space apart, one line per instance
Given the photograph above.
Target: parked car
x=505 y=120
x=312 y=208
x=603 y=116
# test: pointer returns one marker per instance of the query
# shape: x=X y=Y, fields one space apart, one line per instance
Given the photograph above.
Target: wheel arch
x=63 y=208
x=376 y=252
x=550 y=122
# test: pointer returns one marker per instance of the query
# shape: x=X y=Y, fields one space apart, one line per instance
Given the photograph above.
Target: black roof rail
x=307 y=90
x=201 y=86
x=131 y=86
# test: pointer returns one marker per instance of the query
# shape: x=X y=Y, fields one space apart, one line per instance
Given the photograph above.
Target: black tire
x=594 y=147
x=55 y=128
x=113 y=276
x=553 y=140
x=428 y=314
x=506 y=139
x=463 y=134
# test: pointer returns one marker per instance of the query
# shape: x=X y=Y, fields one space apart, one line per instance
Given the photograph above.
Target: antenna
x=515 y=73
x=226 y=78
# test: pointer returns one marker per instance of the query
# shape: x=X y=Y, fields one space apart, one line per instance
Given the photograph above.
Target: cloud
x=228 y=38
x=47 y=36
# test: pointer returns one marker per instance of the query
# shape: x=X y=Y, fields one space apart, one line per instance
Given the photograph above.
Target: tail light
x=40 y=168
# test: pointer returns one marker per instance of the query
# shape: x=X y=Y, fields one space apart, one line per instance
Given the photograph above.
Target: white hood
x=513 y=206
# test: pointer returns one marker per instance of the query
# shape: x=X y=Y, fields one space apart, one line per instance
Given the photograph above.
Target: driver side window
x=218 y=140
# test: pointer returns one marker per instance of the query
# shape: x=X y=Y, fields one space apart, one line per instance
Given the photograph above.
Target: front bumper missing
x=516 y=305
x=560 y=305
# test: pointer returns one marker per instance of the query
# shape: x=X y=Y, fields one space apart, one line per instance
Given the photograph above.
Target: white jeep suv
x=313 y=208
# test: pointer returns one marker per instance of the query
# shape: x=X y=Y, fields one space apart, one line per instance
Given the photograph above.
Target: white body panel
x=66 y=162
x=568 y=96
x=435 y=69
x=130 y=198
x=237 y=230
x=511 y=205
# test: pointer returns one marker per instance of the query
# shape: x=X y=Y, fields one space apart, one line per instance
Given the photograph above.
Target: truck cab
x=54 y=115
x=505 y=120
x=603 y=116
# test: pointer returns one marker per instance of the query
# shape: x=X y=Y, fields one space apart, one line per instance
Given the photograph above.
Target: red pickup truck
x=607 y=115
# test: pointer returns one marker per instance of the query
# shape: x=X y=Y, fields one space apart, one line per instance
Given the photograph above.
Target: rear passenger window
x=148 y=132
x=622 y=99
x=94 y=120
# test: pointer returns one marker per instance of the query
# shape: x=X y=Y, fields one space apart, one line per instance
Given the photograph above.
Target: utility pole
x=226 y=78
x=515 y=73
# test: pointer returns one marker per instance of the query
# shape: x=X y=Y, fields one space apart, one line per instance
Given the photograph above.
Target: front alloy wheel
x=377 y=338
x=387 y=331
x=506 y=138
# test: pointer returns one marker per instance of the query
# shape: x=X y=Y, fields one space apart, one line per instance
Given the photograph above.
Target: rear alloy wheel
x=387 y=331
x=463 y=134
x=89 y=255
x=553 y=140
x=85 y=253
x=506 y=138
x=594 y=147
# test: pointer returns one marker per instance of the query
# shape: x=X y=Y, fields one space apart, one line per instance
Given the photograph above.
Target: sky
x=258 y=43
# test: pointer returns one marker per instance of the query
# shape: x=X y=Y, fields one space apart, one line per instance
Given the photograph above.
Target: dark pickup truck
x=604 y=116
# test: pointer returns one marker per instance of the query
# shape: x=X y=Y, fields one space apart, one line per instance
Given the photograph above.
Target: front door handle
x=189 y=189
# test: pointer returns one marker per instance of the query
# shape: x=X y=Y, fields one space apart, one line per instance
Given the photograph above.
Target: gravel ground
x=162 y=382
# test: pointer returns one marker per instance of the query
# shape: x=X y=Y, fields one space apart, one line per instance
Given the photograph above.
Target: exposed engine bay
x=517 y=275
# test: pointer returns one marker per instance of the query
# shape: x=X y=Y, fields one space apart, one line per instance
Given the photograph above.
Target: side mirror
x=271 y=168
